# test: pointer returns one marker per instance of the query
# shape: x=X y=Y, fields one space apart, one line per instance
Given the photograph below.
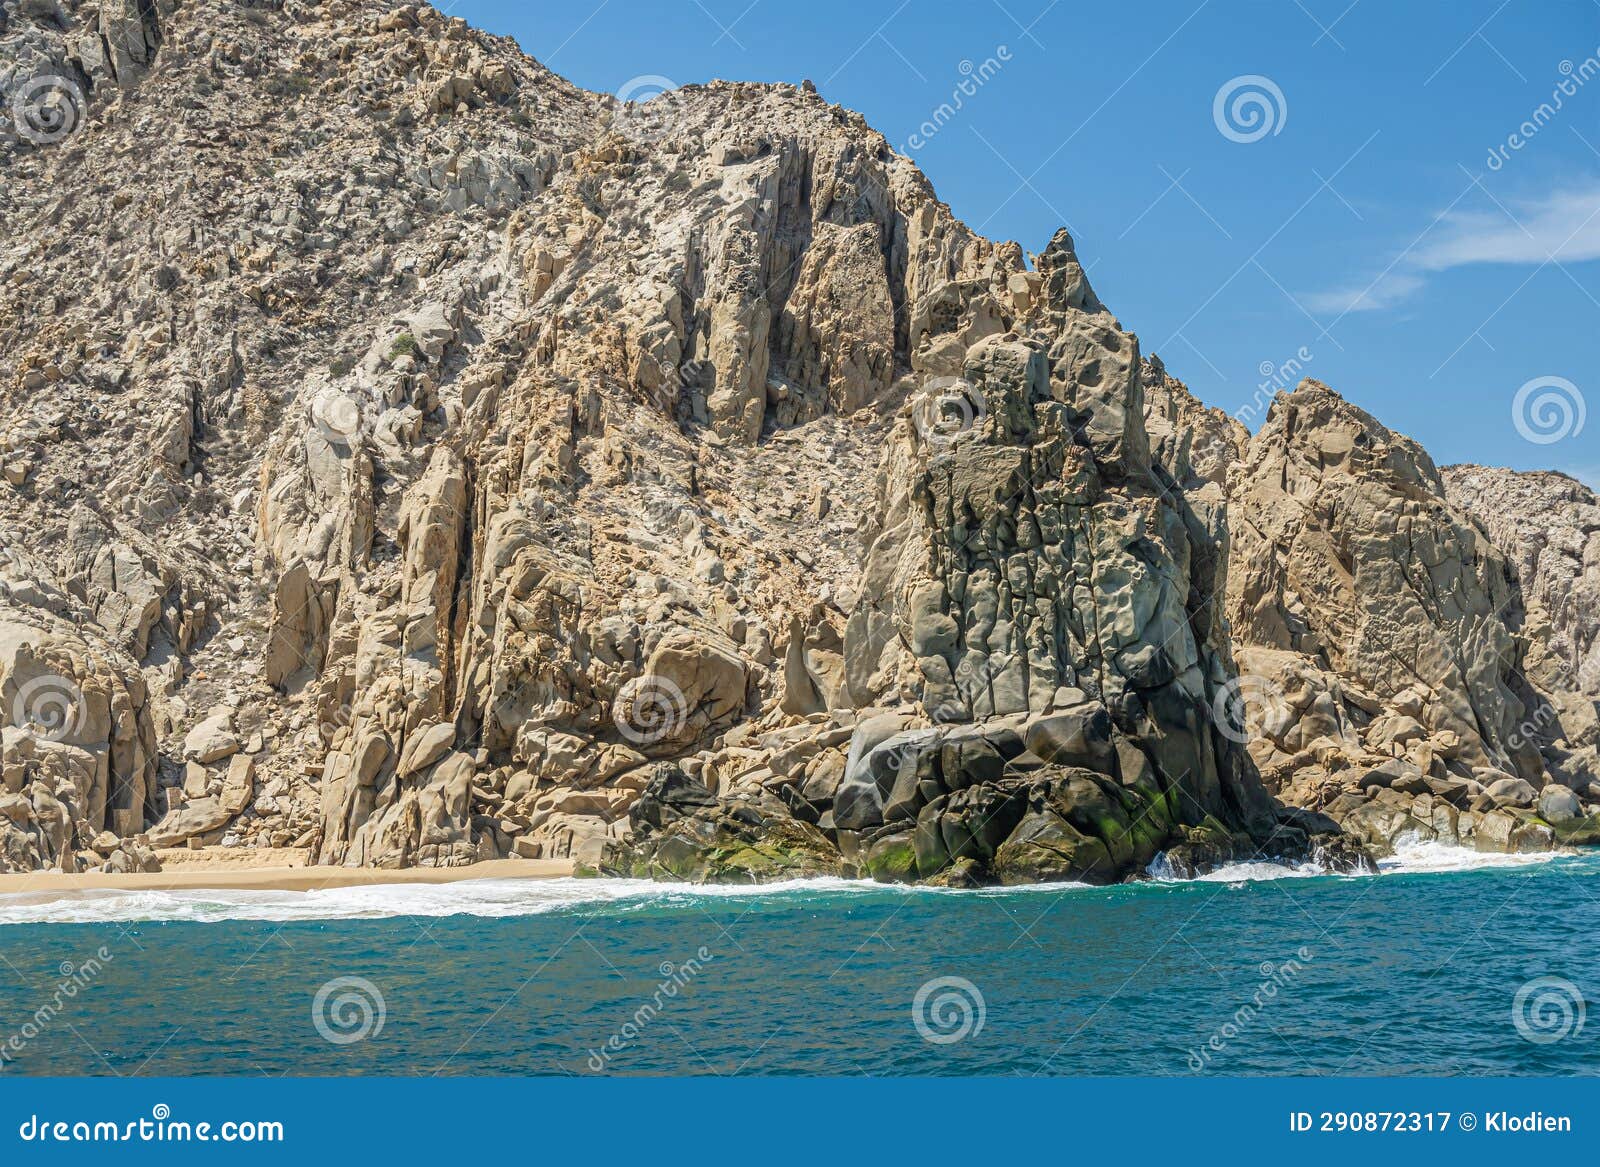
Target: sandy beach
x=218 y=875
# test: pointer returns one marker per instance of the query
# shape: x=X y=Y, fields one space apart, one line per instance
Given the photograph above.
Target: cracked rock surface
x=409 y=458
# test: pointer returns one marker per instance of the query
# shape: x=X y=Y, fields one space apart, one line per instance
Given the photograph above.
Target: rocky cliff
x=1400 y=669
x=410 y=458
x=1549 y=525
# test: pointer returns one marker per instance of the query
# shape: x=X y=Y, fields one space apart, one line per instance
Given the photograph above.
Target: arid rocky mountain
x=410 y=459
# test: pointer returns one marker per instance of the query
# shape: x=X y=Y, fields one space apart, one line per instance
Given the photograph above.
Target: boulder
x=238 y=785
x=1557 y=804
x=212 y=740
x=425 y=747
x=197 y=818
x=678 y=830
x=1512 y=792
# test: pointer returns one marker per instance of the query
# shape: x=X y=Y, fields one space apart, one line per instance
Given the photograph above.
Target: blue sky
x=1349 y=225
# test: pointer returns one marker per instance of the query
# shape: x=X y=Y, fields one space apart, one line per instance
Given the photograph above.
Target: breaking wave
x=508 y=898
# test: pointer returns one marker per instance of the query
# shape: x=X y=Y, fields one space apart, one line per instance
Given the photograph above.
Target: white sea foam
x=490 y=898
x=1249 y=872
x=1412 y=854
x=1261 y=869
x=503 y=898
x=486 y=897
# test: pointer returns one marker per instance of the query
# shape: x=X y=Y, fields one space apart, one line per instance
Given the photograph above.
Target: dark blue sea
x=1444 y=964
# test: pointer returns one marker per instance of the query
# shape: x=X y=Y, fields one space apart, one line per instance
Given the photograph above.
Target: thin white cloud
x=1562 y=225
x=1386 y=291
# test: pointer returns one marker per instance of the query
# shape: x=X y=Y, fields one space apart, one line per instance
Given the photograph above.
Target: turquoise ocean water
x=1445 y=964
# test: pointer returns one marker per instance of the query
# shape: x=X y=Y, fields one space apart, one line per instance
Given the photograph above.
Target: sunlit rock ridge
x=410 y=458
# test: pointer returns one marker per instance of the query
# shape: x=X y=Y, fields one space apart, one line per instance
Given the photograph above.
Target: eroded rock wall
x=1393 y=676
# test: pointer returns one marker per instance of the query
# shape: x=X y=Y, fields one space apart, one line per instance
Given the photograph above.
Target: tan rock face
x=1549 y=525
x=77 y=751
x=1187 y=438
x=1346 y=549
x=1030 y=570
x=410 y=480
x=1383 y=630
